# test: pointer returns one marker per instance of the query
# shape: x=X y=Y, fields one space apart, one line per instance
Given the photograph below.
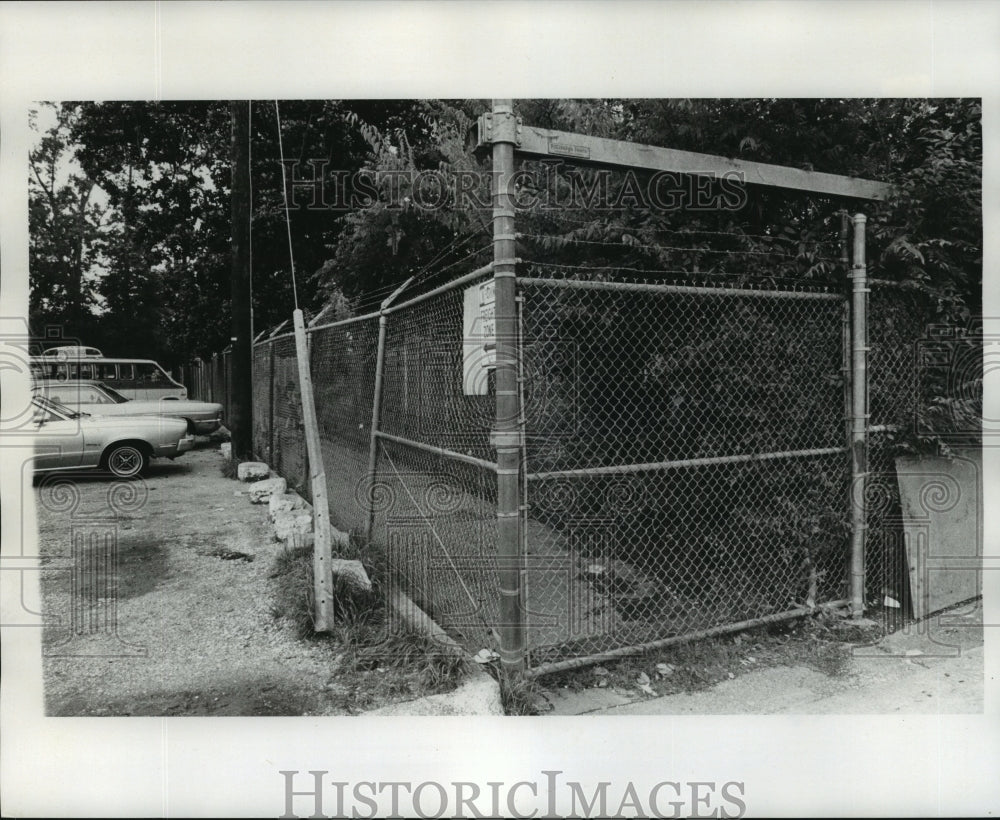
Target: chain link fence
x=898 y=322
x=686 y=459
x=685 y=462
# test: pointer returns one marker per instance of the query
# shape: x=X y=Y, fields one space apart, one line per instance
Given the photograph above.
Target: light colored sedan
x=66 y=439
x=96 y=398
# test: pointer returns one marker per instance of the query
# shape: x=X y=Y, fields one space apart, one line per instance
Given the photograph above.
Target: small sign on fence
x=478 y=338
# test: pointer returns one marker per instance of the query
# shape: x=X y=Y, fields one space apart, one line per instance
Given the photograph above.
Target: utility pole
x=240 y=421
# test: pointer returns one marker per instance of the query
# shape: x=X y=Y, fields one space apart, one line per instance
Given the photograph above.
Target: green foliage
x=66 y=229
x=144 y=268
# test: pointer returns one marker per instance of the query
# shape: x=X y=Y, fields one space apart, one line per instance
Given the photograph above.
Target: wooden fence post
x=322 y=552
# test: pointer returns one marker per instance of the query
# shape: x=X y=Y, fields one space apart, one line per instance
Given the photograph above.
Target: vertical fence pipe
x=859 y=416
x=845 y=323
x=270 y=410
x=507 y=433
x=522 y=425
x=373 y=444
x=373 y=434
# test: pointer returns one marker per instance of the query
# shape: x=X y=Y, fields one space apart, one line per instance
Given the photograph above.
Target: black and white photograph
x=596 y=450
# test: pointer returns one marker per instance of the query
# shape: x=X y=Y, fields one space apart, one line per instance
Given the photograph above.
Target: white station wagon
x=96 y=398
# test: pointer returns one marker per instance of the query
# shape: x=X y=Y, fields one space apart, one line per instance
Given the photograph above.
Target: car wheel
x=126 y=460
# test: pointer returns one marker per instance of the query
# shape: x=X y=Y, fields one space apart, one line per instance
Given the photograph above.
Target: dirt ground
x=806 y=667
x=160 y=601
x=164 y=602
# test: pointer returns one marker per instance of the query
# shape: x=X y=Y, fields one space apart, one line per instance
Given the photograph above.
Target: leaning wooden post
x=322 y=553
x=507 y=436
x=859 y=416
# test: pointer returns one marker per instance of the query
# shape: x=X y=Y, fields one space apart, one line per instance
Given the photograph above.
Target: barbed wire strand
x=644 y=246
x=688 y=231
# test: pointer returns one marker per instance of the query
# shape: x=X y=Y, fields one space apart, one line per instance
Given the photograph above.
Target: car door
x=58 y=441
x=94 y=400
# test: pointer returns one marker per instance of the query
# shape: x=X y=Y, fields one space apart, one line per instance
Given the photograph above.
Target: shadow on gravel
x=251 y=699
x=142 y=563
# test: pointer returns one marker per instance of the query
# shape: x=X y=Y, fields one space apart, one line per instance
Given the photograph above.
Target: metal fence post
x=507 y=434
x=270 y=401
x=859 y=416
x=845 y=367
x=373 y=432
x=377 y=406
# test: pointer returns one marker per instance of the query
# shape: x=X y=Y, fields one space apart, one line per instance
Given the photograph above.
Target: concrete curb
x=479 y=695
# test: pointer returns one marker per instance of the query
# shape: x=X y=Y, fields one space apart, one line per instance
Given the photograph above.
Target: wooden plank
x=545 y=143
x=322 y=540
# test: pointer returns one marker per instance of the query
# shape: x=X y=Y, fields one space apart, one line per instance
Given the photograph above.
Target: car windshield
x=58 y=408
x=118 y=397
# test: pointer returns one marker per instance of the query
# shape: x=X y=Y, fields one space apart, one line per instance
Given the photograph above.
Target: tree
x=66 y=235
x=165 y=167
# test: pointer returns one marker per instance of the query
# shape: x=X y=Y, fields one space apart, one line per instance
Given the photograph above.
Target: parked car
x=72 y=352
x=133 y=378
x=66 y=439
x=98 y=399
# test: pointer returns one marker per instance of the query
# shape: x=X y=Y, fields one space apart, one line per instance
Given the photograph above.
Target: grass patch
x=358 y=613
x=518 y=694
x=436 y=667
x=230 y=467
x=378 y=662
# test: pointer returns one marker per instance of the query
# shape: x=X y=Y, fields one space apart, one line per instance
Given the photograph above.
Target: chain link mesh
x=288 y=441
x=343 y=368
x=685 y=455
x=898 y=319
x=435 y=495
x=714 y=420
x=432 y=502
x=261 y=397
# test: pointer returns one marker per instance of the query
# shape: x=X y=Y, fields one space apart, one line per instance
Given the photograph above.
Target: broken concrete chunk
x=284 y=502
x=261 y=491
x=297 y=540
x=295 y=522
x=226 y=450
x=252 y=471
x=352 y=571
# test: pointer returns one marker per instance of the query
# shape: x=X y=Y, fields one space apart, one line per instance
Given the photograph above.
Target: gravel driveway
x=164 y=602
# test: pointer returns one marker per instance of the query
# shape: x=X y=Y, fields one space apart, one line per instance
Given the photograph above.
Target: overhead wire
x=288 y=216
x=250 y=220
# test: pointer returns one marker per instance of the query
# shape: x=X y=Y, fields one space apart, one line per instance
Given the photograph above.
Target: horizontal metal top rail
x=441 y=451
x=349 y=321
x=587 y=150
x=655 y=466
x=692 y=290
x=271 y=339
x=455 y=283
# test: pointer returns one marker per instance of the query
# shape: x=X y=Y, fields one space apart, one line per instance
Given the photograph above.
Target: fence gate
x=686 y=461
